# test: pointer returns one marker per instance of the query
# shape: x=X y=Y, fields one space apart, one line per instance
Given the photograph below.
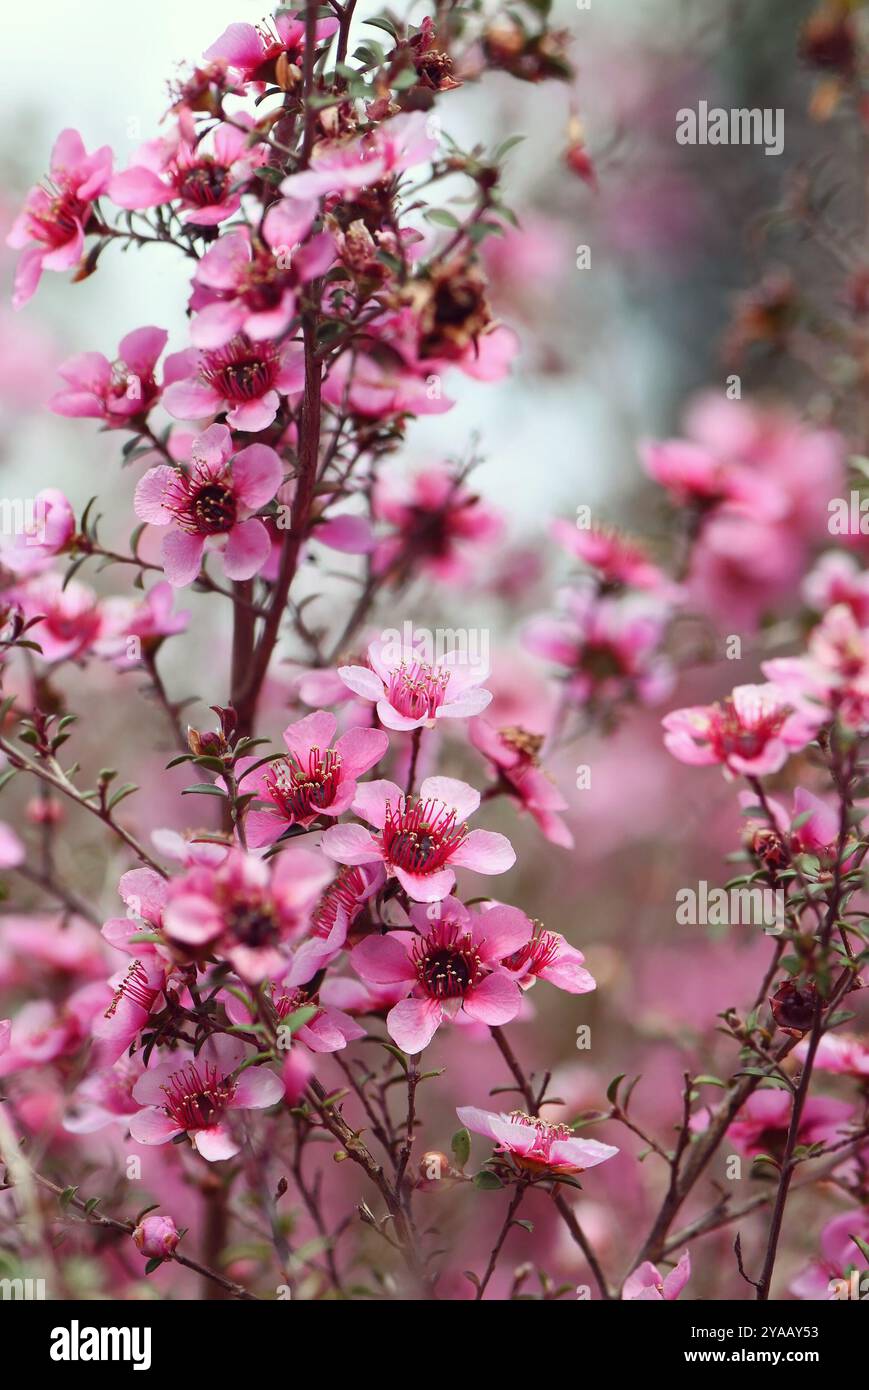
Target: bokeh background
x=612 y=354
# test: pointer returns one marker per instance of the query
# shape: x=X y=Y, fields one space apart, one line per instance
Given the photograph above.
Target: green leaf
x=460 y=1144
x=487 y=1181
x=613 y=1088
x=441 y=217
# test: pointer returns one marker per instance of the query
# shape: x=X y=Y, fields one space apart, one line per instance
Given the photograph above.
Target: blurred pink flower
x=534 y=1144
x=648 y=1284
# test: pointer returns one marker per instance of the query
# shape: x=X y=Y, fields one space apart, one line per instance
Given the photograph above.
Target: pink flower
x=137 y=989
x=329 y=1029
x=116 y=392
x=696 y=476
x=208 y=186
x=380 y=386
x=533 y=1144
x=12 y=851
x=762 y=1124
x=70 y=619
x=838 y=579
x=244 y=378
x=413 y=694
x=132 y=626
x=51 y=227
x=513 y=754
x=834 y=673
x=450 y=964
x=610 y=646
x=253 y=49
x=435 y=518
x=648 y=1284
x=345 y=899
x=105 y=1097
x=47 y=534
x=751 y=733
x=840 y=1254
x=156 y=1237
x=249 y=287
x=811 y=828
x=547 y=956
x=420 y=840
x=345 y=167
x=245 y=909
x=618 y=561
x=838 y=1053
x=317 y=778
x=197 y=1096
x=211 y=504
x=42 y=1031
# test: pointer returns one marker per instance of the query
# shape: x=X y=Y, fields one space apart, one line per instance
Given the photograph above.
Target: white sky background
x=102 y=67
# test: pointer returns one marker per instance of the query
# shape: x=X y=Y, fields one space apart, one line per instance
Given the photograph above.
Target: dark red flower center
x=421 y=836
x=205 y=183
x=447 y=962
x=241 y=371
x=197 y=1096
x=300 y=791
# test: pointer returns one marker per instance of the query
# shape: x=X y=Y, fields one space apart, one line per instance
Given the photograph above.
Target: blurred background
x=612 y=354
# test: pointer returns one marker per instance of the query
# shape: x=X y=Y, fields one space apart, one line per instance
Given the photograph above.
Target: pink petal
x=215 y=1143
x=413 y=1023
x=426 y=888
x=494 y=1001
x=192 y=400
x=257 y=1088
x=383 y=961
x=372 y=799
x=486 y=852
x=360 y=749
x=256 y=475
x=350 y=844
x=153 y=1126
x=151 y=489
x=316 y=730
x=138 y=188
x=463 y=799
x=247 y=548
x=181 y=554
x=362 y=681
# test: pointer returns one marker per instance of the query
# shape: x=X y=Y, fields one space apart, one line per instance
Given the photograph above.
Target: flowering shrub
x=234 y=1032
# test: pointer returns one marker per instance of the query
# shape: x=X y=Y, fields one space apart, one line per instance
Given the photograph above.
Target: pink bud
x=156 y=1237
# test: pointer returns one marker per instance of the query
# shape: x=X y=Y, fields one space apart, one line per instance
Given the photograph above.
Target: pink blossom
x=822 y=1279
x=318 y=776
x=42 y=1031
x=450 y=964
x=51 y=227
x=435 y=520
x=513 y=754
x=137 y=989
x=329 y=1029
x=762 y=1123
x=212 y=504
x=609 y=646
x=70 y=619
x=838 y=1053
x=534 y=1144
x=379 y=386
x=345 y=167
x=243 y=378
x=105 y=1097
x=649 y=1284
x=253 y=49
x=617 y=560
x=413 y=694
x=751 y=733
x=116 y=392
x=207 y=185
x=198 y=1096
x=156 y=1237
x=833 y=675
x=249 y=287
x=837 y=578
x=12 y=851
x=136 y=626
x=421 y=840
x=245 y=909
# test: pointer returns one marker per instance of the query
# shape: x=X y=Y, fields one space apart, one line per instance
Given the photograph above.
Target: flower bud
x=156 y=1237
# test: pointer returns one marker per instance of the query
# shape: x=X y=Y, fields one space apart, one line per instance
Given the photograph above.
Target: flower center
x=302 y=791
x=204 y=183
x=745 y=736
x=197 y=1096
x=421 y=836
x=417 y=689
x=58 y=222
x=251 y=922
x=241 y=371
x=536 y=954
x=214 y=508
x=447 y=962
